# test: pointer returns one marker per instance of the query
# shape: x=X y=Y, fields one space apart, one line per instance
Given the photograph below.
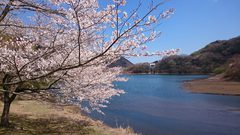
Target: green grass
x=219 y=70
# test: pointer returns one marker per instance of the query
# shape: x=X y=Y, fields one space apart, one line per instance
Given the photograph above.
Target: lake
x=159 y=105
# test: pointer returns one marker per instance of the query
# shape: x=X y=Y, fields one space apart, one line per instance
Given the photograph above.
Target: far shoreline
x=125 y=73
x=213 y=85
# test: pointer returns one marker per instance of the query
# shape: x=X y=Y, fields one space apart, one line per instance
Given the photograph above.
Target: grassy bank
x=30 y=117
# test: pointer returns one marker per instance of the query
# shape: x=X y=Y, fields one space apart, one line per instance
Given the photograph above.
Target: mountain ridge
x=122 y=62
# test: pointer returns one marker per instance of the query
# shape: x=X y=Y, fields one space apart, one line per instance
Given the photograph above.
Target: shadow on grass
x=22 y=125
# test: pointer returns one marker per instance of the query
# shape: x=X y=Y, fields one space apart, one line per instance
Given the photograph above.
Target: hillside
x=217 y=57
x=210 y=59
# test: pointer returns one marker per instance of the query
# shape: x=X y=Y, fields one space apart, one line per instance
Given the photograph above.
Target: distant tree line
x=139 y=68
x=217 y=57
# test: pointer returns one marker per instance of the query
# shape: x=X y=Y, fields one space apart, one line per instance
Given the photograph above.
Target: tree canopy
x=65 y=47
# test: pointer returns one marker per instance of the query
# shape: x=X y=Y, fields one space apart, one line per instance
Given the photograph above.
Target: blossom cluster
x=71 y=43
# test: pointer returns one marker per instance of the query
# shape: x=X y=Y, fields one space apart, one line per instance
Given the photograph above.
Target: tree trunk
x=7 y=100
x=6 y=109
x=5 y=115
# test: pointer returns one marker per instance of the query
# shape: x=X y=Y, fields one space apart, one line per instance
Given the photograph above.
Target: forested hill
x=217 y=57
x=207 y=60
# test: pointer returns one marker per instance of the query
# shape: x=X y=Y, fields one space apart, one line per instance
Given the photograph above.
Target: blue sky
x=194 y=24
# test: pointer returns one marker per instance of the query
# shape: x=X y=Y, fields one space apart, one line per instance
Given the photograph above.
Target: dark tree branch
x=6 y=10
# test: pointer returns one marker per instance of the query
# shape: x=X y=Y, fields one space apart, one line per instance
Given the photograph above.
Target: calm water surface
x=159 y=105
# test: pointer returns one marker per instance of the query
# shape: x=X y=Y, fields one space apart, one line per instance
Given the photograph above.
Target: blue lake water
x=159 y=105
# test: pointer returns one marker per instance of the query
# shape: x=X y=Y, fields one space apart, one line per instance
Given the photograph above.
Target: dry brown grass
x=32 y=117
x=213 y=85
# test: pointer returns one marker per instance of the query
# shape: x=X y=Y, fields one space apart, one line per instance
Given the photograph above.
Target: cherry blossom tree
x=65 y=47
